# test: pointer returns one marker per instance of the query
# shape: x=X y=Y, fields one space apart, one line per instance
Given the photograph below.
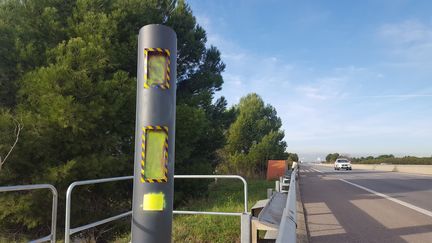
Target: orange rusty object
x=276 y=169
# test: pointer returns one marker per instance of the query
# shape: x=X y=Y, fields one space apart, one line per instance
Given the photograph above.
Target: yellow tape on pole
x=154 y=154
x=154 y=202
x=157 y=68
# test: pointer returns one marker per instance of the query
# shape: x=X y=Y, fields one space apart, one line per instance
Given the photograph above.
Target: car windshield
x=342 y=161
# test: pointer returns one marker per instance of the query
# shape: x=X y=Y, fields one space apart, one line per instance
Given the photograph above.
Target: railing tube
x=69 y=198
x=54 y=213
x=52 y=236
x=68 y=209
x=221 y=176
x=69 y=231
x=245 y=227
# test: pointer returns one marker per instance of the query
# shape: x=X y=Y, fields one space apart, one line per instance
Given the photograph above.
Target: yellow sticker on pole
x=157 y=72
x=154 y=154
x=154 y=202
x=156 y=69
x=155 y=151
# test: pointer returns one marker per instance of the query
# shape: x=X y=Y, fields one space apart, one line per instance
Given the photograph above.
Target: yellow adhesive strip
x=155 y=159
x=157 y=68
x=154 y=201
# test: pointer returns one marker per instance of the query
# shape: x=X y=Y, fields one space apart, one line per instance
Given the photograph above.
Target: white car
x=342 y=164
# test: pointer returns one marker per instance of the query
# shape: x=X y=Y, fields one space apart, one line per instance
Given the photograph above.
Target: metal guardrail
x=245 y=223
x=68 y=230
x=287 y=228
x=245 y=216
x=284 y=184
x=51 y=237
x=220 y=177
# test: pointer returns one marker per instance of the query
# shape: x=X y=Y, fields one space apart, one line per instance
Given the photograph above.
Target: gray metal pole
x=153 y=190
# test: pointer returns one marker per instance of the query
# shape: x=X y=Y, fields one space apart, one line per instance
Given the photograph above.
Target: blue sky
x=353 y=77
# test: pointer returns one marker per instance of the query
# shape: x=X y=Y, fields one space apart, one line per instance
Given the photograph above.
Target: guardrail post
x=68 y=212
x=246 y=220
x=54 y=214
x=277 y=186
x=269 y=193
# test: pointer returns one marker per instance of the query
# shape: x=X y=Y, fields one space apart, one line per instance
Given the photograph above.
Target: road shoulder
x=302 y=230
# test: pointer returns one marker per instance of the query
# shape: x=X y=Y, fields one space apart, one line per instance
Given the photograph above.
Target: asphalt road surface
x=366 y=206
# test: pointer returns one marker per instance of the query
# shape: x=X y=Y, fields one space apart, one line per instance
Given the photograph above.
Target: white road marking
x=408 y=205
x=317 y=170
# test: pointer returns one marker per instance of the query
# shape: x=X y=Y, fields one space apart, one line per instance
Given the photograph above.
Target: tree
x=70 y=72
x=332 y=157
x=385 y=156
x=253 y=138
x=293 y=157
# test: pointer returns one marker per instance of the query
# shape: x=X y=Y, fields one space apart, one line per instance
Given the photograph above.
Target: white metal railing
x=52 y=236
x=220 y=177
x=245 y=216
x=68 y=230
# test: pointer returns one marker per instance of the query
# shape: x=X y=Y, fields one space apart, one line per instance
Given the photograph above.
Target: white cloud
x=397 y=96
x=410 y=40
x=324 y=88
x=248 y=72
x=313 y=93
x=410 y=32
x=237 y=57
x=203 y=21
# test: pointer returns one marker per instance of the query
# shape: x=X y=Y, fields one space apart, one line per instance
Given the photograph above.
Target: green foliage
x=253 y=122
x=330 y=158
x=293 y=157
x=224 y=196
x=253 y=138
x=68 y=71
x=27 y=31
x=390 y=159
x=385 y=159
x=386 y=156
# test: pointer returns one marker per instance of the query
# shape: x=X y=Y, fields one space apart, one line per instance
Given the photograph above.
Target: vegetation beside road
x=408 y=160
x=382 y=159
x=224 y=196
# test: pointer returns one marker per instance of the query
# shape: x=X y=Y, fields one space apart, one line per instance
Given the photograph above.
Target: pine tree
x=69 y=74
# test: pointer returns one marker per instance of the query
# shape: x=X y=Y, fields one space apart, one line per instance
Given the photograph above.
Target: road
x=366 y=206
